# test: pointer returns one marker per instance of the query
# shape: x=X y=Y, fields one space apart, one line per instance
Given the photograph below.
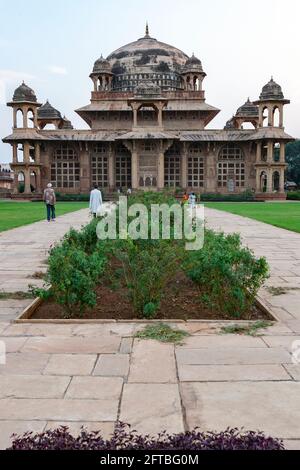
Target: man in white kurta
x=95 y=201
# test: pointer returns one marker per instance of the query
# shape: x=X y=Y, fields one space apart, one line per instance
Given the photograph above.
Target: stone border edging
x=25 y=317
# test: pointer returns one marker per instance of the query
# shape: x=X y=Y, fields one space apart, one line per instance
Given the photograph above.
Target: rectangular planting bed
x=150 y=279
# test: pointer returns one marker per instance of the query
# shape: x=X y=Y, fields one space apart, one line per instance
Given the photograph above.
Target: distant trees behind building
x=293 y=161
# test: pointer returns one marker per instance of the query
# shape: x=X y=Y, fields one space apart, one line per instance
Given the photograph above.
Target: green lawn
x=15 y=214
x=281 y=214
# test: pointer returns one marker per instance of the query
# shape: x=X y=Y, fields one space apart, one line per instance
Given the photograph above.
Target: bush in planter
x=147 y=267
x=228 y=274
x=85 y=239
x=72 y=277
x=125 y=439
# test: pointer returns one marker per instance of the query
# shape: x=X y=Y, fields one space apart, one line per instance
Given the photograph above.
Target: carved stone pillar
x=270 y=152
x=134 y=164
x=282 y=152
x=26 y=149
x=111 y=167
x=258 y=152
x=38 y=180
x=269 y=180
x=15 y=118
x=184 y=165
x=16 y=182
x=258 y=182
x=281 y=180
x=15 y=153
x=37 y=151
x=161 y=169
x=27 y=187
x=25 y=111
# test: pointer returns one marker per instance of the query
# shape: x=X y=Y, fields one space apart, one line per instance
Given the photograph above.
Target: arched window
x=265 y=117
x=276 y=152
x=19 y=118
x=276 y=117
x=263 y=182
x=65 y=168
x=30 y=119
x=231 y=168
x=20 y=153
x=33 y=180
x=21 y=182
x=276 y=181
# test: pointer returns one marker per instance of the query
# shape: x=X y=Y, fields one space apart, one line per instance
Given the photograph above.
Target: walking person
x=192 y=200
x=95 y=200
x=185 y=199
x=50 y=201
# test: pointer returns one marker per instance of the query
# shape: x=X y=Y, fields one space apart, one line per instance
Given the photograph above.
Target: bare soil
x=180 y=301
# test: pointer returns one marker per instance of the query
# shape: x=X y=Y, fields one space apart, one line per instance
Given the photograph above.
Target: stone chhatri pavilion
x=147 y=119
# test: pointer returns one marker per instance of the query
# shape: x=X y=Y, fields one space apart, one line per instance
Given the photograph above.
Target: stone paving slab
x=126 y=346
x=13 y=345
x=293 y=370
x=112 y=365
x=271 y=406
x=15 y=303
x=290 y=444
x=58 y=409
x=232 y=356
x=70 y=364
x=24 y=364
x=99 y=388
x=33 y=386
x=152 y=362
x=151 y=408
x=294 y=326
x=17 y=427
x=222 y=341
x=45 y=329
x=282 y=341
x=72 y=345
x=232 y=373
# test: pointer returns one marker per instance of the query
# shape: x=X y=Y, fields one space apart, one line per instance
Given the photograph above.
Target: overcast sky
x=52 y=45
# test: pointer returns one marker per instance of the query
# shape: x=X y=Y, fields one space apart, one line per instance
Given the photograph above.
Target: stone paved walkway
x=95 y=374
x=23 y=252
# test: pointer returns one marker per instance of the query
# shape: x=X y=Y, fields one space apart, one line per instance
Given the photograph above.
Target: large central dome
x=147 y=59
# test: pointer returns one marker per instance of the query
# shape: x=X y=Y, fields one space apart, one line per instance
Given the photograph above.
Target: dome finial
x=147 y=30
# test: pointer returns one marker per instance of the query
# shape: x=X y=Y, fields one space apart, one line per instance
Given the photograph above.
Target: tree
x=293 y=161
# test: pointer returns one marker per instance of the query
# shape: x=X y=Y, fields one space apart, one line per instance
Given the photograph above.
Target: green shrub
x=85 y=239
x=72 y=197
x=147 y=267
x=293 y=196
x=72 y=277
x=148 y=197
x=228 y=275
x=215 y=197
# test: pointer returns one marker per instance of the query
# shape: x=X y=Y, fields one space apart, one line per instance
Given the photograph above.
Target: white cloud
x=57 y=70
